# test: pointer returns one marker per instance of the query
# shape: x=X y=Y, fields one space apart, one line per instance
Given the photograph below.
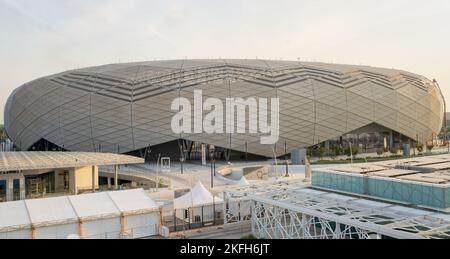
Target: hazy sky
x=42 y=37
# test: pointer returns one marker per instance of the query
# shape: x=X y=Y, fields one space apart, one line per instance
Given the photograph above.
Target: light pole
x=183 y=155
x=157 y=172
x=351 y=150
x=213 y=173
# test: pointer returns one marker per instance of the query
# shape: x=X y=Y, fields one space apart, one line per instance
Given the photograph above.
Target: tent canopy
x=95 y=205
x=69 y=209
x=13 y=214
x=197 y=197
x=133 y=200
x=243 y=182
x=57 y=209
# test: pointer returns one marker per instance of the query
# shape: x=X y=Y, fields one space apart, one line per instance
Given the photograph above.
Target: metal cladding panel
x=128 y=106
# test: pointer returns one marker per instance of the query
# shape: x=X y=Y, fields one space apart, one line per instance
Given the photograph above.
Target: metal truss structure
x=291 y=210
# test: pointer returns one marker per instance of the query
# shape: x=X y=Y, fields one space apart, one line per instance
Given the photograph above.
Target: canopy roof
x=133 y=201
x=20 y=161
x=243 y=182
x=198 y=196
x=71 y=209
x=14 y=214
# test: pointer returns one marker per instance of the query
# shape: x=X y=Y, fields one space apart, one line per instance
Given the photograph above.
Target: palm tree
x=2 y=132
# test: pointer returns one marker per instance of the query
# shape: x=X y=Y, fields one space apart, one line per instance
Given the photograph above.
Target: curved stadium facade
x=127 y=106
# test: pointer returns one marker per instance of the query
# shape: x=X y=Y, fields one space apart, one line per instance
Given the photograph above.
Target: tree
x=320 y=153
x=380 y=152
x=2 y=132
x=336 y=151
x=430 y=147
x=349 y=151
x=420 y=148
x=355 y=150
x=394 y=151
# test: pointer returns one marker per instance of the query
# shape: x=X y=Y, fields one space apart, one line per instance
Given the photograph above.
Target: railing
x=142 y=176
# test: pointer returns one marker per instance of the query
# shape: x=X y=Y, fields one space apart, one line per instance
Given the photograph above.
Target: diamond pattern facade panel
x=126 y=107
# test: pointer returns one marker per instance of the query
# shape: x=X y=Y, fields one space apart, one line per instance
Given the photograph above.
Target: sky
x=43 y=37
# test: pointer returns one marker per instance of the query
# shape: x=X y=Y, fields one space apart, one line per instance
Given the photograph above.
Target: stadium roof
x=126 y=107
x=20 y=161
x=129 y=71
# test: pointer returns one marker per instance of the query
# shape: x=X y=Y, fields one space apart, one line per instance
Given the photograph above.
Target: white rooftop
x=20 y=161
x=69 y=209
x=198 y=196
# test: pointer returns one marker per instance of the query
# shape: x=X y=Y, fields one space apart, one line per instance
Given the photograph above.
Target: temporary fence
x=194 y=218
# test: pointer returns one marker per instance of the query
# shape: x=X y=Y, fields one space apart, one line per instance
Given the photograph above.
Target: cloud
x=49 y=36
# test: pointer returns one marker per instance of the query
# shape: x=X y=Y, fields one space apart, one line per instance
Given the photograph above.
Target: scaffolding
x=292 y=210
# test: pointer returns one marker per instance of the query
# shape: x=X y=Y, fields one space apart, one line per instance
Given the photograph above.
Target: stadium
x=126 y=108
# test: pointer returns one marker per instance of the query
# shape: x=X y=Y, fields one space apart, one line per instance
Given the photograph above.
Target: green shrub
x=320 y=153
x=394 y=151
x=336 y=151
x=420 y=148
x=380 y=152
x=249 y=237
x=354 y=150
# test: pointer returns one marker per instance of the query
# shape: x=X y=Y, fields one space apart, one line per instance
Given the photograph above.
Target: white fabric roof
x=243 y=182
x=13 y=214
x=69 y=209
x=51 y=210
x=133 y=200
x=198 y=196
x=94 y=205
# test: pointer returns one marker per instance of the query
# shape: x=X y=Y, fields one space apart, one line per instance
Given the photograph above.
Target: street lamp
x=351 y=150
x=213 y=165
x=183 y=155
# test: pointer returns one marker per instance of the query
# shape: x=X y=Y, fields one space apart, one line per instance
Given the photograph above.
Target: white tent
x=99 y=215
x=139 y=212
x=197 y=197
x=243 y=182
x=53 y=218
x=199 y=205
x=14 y=221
